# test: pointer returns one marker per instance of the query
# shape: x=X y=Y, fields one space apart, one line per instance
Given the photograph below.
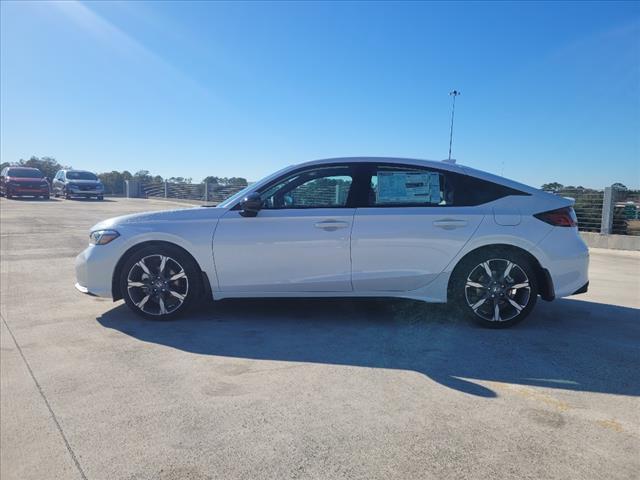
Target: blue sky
x=550 y=90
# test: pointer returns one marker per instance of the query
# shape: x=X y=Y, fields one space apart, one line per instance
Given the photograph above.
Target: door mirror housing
x=250 y=205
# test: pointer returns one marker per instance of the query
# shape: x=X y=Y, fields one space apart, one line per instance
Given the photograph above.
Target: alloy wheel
x=497 y=290
x=157 y=284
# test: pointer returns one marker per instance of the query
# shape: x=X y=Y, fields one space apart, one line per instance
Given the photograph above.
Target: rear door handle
x=331 y=225
x=449 y=223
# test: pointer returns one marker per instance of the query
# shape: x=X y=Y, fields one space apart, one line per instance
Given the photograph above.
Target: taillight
x=561 y=217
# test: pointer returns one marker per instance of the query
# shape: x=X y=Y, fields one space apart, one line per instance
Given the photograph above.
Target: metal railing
x=202 y=192
x=608 y=211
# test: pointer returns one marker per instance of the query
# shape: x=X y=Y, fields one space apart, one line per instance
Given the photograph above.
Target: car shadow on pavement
x=566 y=344
x=32 y=199
x=81 y=199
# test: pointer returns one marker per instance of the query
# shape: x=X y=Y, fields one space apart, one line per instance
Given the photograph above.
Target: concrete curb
x=612 y=242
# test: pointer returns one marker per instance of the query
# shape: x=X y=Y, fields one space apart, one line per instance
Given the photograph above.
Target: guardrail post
x=166 y=189
x=607 y=211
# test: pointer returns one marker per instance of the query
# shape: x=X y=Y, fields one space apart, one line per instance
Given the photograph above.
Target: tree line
x=558 y=187
x=114 y=181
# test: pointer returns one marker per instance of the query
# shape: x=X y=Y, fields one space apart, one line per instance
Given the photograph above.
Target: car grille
x=28 y=185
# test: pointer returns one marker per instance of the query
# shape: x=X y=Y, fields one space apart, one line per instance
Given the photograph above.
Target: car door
x=409 y=230
x=2 y=179
x=298 y=242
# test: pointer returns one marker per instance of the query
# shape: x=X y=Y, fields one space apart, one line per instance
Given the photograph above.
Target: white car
x=349 y=227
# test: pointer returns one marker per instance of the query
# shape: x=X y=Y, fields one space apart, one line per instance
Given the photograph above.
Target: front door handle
x=331 y=225
x=449 y=223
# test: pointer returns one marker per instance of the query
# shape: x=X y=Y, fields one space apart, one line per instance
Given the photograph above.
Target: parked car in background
x=77 y=183
x=350 y=227
x=23 y=181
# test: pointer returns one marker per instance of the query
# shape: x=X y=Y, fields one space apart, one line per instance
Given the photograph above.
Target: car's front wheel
x=160 y=282
x=495 y=289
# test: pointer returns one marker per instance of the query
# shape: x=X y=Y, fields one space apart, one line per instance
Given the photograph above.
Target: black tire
x=189 y=285
x=8 y=195
x=494 y=298
x=100 y=197
x=67 y=195
x=46 y=197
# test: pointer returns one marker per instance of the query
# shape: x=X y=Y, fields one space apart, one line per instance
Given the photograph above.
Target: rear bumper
x=566 y=257
x=582 y=289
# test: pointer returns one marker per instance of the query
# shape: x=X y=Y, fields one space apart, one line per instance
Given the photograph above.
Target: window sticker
x=408 y=187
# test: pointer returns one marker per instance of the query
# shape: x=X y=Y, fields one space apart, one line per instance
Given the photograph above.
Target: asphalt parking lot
x=287 y=389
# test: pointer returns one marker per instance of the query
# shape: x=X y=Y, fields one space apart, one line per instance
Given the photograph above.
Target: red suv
x=19 y=181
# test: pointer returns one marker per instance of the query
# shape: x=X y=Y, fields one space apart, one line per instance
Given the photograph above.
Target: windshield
x=81 y=176
x=24 y=173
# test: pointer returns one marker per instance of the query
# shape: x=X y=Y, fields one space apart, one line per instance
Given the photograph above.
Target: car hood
x=195 y=214
x=25 y=179
x=84 y=182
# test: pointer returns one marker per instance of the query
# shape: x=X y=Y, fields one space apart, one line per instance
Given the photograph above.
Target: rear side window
x=407 y=186
x=400 y=186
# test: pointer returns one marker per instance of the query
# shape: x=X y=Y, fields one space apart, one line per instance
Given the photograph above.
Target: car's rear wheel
x=497 y=290
x=160 y=282
x=100 y=197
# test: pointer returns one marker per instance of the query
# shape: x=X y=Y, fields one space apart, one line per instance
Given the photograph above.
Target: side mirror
x=251 y=205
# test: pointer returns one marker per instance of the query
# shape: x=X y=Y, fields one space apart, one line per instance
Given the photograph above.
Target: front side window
x=318 y=188
x=405 y=186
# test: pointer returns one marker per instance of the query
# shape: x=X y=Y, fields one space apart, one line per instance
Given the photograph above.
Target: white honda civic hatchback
x=349 y=227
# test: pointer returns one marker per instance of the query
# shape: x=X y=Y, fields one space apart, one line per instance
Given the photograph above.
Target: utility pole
x=454 y=94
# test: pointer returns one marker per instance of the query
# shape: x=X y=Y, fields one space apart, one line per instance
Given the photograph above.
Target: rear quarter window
x=470 y=191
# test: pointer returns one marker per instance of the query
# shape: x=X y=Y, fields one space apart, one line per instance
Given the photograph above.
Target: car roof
x=23 y=168
x=396 y=160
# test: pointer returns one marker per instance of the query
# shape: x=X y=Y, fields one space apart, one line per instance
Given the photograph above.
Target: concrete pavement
x=247 y=389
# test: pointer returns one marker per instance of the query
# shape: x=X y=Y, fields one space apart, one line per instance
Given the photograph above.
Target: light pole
x=454 y=94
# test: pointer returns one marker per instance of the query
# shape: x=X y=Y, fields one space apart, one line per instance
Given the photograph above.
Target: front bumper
x=78 y=191
x=18 y=191
x=84 y=290
x=94 y=270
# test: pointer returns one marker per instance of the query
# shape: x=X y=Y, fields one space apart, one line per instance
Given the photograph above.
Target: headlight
x=102 y=237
